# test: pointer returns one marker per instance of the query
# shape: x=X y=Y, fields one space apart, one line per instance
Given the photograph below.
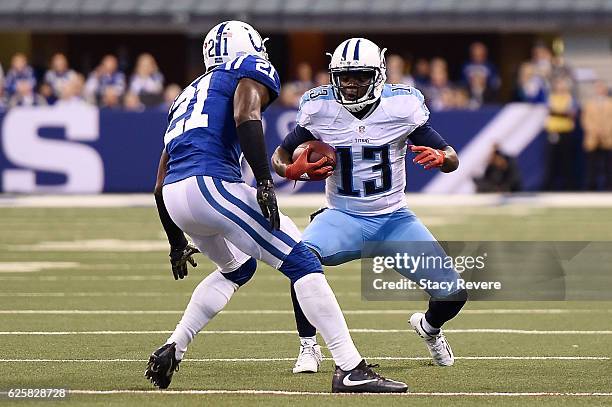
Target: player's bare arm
x=181 y=251
x=250 y=98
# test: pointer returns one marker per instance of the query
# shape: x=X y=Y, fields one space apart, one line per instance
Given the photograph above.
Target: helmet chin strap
x=363 y=111
x=356 y=107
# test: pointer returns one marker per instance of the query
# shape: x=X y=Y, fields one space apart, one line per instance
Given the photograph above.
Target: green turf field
x=105 y=271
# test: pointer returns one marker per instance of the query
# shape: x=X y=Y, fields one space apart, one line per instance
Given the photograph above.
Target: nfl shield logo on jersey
x=361 y=129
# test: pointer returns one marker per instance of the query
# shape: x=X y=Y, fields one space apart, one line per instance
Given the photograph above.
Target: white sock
x=431 y=330
x=308 y=340
x=321 y=308
x=209 y=297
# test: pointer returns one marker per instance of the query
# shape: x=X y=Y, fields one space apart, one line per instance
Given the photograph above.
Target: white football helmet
x=230 y=39
x=361 y=55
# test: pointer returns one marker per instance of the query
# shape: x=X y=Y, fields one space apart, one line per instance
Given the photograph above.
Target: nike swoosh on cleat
x=348 y=382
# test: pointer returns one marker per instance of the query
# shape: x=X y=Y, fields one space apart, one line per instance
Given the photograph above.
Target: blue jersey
x=201 y=137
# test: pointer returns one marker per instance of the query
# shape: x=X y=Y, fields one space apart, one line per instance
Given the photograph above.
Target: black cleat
x=162 y=365
x=363 y=379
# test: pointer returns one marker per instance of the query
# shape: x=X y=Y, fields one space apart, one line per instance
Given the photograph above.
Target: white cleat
x=438 y=347
x=309 y=359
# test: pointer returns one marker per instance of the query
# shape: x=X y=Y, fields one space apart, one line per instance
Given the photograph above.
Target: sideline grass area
x=120 y=278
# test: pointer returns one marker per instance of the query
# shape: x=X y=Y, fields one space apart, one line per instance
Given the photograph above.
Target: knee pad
x=243 y=273
x=300 y=262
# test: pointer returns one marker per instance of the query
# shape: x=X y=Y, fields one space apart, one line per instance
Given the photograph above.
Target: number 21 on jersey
x=187 y=111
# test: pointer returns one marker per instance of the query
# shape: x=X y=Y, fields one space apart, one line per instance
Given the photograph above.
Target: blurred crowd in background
x=106 y=86
x=543 y=79
x=478 y=83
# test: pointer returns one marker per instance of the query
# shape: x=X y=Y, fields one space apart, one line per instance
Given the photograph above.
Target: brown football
x=318 y=150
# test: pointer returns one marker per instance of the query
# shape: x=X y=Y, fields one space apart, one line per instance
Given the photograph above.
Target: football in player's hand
x=318 y=150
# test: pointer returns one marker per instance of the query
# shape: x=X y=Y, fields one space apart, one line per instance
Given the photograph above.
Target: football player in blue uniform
x=200 y=192
x=370 y=124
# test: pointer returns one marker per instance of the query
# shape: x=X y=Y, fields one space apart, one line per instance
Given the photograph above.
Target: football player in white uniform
x=200 y=191
x=370 y=124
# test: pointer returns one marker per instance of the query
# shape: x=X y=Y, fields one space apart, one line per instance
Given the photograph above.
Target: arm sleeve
x=252 y=143
x=425 y=135
x=296 y=137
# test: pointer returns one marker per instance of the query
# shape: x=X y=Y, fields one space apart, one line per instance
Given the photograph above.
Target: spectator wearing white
x=20 y=71
x=71 y=91
x=147 y=82
x=24 y=95
x=105 y=76
x=396 y=71
x=59 y=73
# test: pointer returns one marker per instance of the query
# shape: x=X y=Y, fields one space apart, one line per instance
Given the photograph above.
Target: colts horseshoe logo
x=257 y=48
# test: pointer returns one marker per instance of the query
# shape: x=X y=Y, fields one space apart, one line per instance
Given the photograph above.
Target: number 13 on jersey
x=377 y=159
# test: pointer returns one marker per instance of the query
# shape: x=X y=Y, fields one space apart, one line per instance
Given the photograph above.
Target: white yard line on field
x=291 y=332
x=290 y=312
x=565 y=200
x=153 y=294
x=204 y=360
x=304 y=393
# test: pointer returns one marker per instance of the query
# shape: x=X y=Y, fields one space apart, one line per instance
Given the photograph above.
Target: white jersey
x=370 y=175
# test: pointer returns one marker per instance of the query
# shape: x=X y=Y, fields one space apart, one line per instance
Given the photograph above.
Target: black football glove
x=266 y=198
x=179 y=259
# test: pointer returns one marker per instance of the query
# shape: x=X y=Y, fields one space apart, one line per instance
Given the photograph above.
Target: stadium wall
x=80 y=149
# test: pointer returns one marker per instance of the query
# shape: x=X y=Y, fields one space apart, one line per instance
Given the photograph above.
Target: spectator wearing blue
x=25 y=96
x=59 y=74
x=422 y=71
x=530 y=87
x=3 y=102
x=147 y=82
x=439 y=92
x=479 y=65
x=20 y=71
x=106 y=75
